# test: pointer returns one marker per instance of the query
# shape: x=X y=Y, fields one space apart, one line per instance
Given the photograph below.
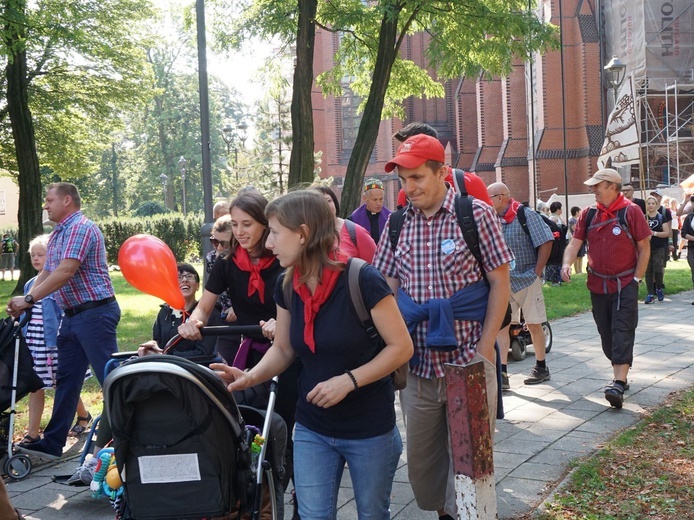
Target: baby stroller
x=17 y=379
x=182 y=447
x=520 y=339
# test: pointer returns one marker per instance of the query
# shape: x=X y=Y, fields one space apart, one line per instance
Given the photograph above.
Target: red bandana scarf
x=610 y=212
x=255 y=282
x=313 y=302
x=511 y=211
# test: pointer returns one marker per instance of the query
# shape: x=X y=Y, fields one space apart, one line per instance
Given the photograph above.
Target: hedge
x=181 y=234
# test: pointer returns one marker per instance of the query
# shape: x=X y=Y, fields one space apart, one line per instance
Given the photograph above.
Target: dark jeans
x=656 y=269
x=617 y=328
x=690 y=258
x=88 y=338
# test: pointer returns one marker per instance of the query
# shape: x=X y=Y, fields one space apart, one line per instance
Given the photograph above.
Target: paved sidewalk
x=546 y=426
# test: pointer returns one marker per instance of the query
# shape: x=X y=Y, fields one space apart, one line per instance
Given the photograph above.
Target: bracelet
x=354 y=379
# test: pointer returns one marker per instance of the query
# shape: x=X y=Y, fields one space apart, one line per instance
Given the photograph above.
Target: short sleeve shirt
x=524 y=246
x=226 y=276
x=364 y=248
x=432 y=260
x=611 y=252
x=78 y=238
x=342 y=343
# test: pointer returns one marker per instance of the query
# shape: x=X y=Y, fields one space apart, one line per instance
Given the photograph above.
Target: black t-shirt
x=341 y=344
x=166 y=327
x=226 y=275
x=656 y=224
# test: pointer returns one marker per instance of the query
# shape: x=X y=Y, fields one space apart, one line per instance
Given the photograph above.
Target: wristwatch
x=29 y=299
x=638 y=280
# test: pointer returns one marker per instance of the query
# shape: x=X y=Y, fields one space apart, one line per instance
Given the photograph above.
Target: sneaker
x=614 y=394
x=660 y=294
x=38 y=449
x=649 y=299
x=505 y=383
x=84 y=474
x=537 y=375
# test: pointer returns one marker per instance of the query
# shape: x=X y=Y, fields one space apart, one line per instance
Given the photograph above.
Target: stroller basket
x=178 y=438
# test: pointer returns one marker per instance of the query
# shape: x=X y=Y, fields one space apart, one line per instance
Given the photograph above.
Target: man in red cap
x=474 y=186
x=451 y=312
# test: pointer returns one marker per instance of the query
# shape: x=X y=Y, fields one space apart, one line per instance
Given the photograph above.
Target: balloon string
x=186 y=315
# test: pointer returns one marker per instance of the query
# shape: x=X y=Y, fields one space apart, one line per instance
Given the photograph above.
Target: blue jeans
x=318 y=465
x=86 y=338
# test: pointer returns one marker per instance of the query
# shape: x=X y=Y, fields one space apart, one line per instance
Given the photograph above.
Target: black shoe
x=615 y=395
x=538 y=375
x=38 y=449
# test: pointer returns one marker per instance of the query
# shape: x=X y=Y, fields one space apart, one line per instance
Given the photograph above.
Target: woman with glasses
x=167 y=322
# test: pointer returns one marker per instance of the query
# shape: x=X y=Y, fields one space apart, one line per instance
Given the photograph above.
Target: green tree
x=466 y=38
x=67 y=65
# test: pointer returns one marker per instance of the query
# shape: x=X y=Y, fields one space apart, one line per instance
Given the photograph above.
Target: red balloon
x=148 y=264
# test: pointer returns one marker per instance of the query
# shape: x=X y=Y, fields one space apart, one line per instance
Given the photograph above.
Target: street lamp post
x=164 y=181
x=182 y=163
x=615 y=72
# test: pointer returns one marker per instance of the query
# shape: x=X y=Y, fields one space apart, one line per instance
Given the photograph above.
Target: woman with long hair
x=345 y=407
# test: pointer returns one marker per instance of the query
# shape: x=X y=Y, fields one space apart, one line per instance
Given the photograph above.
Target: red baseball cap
x=416 y=150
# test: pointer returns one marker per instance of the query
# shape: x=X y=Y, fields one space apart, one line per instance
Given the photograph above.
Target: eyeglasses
x=217 y=243
x=497 y=195
x=188 y=277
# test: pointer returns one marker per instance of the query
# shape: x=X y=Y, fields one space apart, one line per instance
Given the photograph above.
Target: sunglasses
x=189 y=277
x=217 y=243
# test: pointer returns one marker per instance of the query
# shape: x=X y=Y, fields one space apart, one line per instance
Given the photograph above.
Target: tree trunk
x=302 y=162
x=29 y=179
x=114 y=178
x=368 y=128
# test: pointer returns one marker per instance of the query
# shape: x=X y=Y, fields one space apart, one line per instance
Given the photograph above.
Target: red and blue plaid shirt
x=78 y=238
x=432 y=260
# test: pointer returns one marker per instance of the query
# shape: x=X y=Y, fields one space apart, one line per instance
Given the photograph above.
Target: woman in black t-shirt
x=660 y=233
x=345 y=409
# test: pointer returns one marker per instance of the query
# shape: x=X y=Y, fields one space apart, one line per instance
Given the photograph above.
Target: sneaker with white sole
x=84 y=475
x=538 y=375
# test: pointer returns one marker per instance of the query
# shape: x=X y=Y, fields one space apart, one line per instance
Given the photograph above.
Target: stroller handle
x=222 y=330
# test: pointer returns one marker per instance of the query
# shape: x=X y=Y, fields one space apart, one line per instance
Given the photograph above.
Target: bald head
x=220 y=209
x=500 y=195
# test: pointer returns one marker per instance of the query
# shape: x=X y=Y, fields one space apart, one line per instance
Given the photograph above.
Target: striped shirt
x=432 y=260
x=78 y=238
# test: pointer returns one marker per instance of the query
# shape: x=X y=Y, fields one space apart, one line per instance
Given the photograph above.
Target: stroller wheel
x=548 y=336
x=18 y=466
x=518 y=350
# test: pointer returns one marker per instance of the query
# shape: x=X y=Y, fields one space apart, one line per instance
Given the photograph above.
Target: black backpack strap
x=466 y=221
x=353 y=268
x=352 y=230
x=590 y=215
x=522 y=220
x=459 y=182
x=395 y=227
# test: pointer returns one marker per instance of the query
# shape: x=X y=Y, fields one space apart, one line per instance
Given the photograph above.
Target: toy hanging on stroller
x=17 y=379
x=181 y=443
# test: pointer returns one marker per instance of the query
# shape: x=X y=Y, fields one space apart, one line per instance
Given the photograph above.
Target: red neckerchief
x=511 y=211
x=255 y=283
x=312 y=303
x=607 y=213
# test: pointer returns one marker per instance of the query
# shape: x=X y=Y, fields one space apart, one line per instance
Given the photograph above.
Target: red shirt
x=609 y=252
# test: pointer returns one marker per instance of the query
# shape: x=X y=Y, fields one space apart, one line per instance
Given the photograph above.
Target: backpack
x=621 y=217
x=352 y=231
x=353 y=268
x=558 y=232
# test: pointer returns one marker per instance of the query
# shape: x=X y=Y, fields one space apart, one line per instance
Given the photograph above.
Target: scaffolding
x=679 y=126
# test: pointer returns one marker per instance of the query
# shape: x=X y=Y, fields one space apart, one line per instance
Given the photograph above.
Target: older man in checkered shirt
x=531 y=251
x=433 y=265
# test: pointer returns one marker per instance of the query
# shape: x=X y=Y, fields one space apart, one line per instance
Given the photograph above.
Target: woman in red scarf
x=248 y=273
x=345 y=408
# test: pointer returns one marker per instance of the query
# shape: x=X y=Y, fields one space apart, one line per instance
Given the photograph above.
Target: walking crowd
x=443 y=279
